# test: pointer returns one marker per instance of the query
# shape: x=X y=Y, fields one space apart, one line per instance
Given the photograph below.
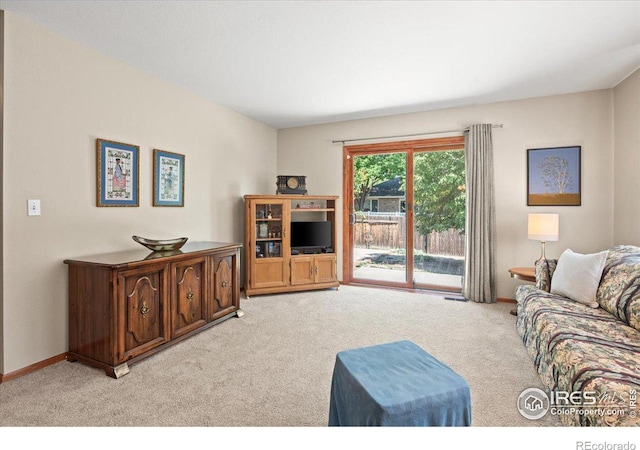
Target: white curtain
x=479 y=275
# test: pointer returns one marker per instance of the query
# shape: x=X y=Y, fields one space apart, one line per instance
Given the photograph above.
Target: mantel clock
x=291 y=184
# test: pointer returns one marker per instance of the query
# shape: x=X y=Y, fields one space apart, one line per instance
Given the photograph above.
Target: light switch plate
x=33 y=207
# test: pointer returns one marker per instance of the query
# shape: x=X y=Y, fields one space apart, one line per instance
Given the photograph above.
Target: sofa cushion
x=544 y=272
x=619 y=290
x=577 y=276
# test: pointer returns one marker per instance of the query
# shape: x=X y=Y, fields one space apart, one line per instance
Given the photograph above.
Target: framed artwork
x=168 y=178
x=553 y=176
x=118 y=169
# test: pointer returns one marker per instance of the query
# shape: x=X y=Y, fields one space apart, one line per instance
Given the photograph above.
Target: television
x=310 y=234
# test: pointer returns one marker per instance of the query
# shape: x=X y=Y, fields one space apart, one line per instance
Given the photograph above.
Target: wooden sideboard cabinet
x=129 y=305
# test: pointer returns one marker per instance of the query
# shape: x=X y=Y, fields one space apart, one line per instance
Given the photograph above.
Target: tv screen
x=311 y=234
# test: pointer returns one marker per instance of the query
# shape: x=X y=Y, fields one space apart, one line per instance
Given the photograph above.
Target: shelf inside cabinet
x=312 y=209
x=269 y=248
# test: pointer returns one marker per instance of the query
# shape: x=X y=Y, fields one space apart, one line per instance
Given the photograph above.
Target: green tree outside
x=369 y=170
x=439 y=191
x=439 y=185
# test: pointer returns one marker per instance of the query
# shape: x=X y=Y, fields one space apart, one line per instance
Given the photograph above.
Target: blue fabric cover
x=396 y=384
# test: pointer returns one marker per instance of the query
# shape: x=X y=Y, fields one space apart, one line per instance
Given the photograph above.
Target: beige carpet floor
x=273 y=367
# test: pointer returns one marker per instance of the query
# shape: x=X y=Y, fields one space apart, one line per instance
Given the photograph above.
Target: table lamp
x=543 y=228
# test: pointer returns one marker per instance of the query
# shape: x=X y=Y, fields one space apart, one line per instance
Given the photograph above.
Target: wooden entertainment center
x=128 y=305
x=272 y=265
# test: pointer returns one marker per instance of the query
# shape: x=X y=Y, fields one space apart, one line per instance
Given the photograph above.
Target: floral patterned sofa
x=578 y=348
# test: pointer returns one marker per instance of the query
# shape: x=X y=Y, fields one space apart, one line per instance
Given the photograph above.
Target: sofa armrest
x=544 y=272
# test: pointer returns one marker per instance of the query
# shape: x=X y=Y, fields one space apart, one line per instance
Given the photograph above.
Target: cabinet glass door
x=268 y=230
x=270 y=221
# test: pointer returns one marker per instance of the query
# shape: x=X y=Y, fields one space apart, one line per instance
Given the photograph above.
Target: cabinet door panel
x=189 y=291
x=225 y=299
x=301 y=270
x=267 y=241
x=268 y=273
x=143 y=311
x=325 y=270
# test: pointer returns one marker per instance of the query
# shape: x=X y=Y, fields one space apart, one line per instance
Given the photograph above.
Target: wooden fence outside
x=380 y=230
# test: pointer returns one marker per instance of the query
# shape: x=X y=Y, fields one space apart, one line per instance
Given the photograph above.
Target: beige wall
x=627 y=160
x=60 y=97
x=584 y=119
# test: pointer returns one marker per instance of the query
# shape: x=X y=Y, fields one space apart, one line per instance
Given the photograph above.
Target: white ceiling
x=293 y=63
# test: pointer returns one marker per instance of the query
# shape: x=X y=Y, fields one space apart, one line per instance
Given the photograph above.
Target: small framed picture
x=168 y=178
x=118 y=169
x=553 y=176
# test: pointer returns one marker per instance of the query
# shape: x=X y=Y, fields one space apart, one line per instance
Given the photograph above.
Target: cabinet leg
x=239 y=313
x=118 y=371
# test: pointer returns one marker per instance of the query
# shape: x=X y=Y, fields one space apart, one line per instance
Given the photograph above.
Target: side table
x=524 y=274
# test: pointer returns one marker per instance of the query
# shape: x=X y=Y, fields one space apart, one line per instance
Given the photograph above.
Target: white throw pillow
x=578 y=276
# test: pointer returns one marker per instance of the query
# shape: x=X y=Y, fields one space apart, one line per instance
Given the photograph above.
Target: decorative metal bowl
x=161 y=245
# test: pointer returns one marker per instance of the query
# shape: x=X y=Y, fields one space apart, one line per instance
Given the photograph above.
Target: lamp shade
x=543 y=227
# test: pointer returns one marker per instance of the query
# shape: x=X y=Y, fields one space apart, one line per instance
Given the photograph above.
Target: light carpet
x=273 y=367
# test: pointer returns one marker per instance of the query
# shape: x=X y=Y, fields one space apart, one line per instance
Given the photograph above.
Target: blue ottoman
x=396 y=384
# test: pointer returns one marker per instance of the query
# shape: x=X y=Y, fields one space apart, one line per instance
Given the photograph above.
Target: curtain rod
x=343 y=141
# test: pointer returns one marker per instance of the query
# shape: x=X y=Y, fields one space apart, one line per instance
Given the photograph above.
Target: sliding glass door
x=379 y=226
x=439 y=215
x=404 y=214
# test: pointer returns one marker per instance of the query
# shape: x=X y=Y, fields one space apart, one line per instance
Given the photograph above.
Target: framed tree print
x=168 y=178
x=118 y=169
x=553 y=176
